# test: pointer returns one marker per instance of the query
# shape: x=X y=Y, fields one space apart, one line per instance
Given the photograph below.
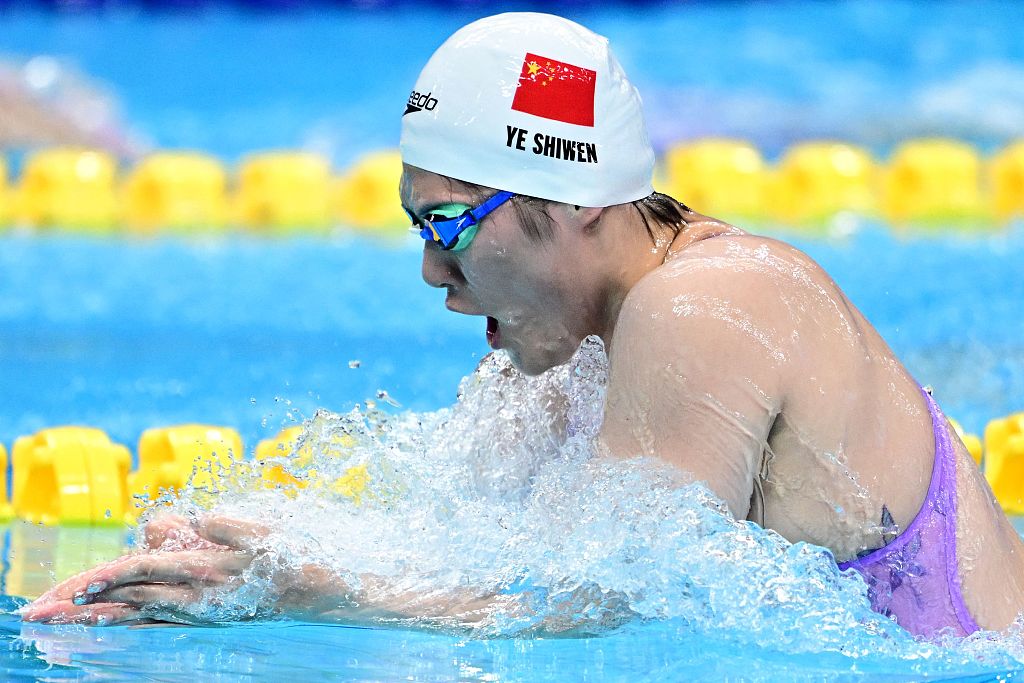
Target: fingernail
x=96 y=587
x=80 y=598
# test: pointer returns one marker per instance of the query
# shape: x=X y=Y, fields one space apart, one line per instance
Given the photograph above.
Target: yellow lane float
x=169 y=457
x=181 y=190
x=6 y=509
x=1004 y=461
x=76 y=475
x=367 y=196
x=5 y=195
x=70 y=475
x=932 y=181
x=68 y=188
x=1006 y=176
x=716 y=176
x=282 y=446
x=815 y=180
x=284 y=190
x=926 y=181
x=278 y=455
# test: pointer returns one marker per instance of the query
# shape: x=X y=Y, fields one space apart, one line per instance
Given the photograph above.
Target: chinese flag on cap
x=556 y=90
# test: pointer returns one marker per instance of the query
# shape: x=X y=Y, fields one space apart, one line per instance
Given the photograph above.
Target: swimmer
x=45 y=103
x=733 y=357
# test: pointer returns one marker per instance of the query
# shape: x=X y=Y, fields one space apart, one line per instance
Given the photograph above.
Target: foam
x=505 y=494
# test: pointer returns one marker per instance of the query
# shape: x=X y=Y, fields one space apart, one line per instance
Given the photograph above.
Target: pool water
x=228 y=81
x=258 y=334
x=663 y=651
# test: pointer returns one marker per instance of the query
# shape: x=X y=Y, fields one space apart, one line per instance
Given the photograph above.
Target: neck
x=627 y=255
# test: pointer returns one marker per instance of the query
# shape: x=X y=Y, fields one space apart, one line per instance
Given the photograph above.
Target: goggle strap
x=490 y=205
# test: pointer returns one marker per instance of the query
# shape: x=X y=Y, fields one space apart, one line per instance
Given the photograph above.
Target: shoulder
x=699 y=362
x=742 y=265
x=723 y=293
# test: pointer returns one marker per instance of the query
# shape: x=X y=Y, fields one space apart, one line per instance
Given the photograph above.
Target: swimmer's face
x=529 y=291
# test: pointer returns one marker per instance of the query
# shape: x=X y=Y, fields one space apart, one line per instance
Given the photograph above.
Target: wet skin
x=732 y=356
x=729 y=351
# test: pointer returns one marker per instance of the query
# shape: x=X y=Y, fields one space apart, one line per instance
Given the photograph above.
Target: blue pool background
x=229 y=81
x=257 y=333
x=196 y=330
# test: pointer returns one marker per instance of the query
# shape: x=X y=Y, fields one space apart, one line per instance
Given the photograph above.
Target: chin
x=531 y=370
x=536 y=365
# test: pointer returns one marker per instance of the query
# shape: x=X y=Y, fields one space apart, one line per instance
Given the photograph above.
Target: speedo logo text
x=419 y=101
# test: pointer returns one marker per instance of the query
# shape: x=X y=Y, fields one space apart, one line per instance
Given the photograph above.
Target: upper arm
x=694 y=377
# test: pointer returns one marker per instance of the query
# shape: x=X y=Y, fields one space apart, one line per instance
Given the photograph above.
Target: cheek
x=510 y=274
x=492 y=273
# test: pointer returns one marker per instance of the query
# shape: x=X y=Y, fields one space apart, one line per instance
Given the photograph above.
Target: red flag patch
x=556 y=90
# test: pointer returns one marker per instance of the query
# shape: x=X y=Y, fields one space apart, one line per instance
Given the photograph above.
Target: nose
x=439 y=267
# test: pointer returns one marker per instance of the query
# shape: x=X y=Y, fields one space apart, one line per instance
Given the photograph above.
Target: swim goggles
x=453 y=226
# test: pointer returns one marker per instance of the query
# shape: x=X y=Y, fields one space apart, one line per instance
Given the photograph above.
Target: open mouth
x=493 y=333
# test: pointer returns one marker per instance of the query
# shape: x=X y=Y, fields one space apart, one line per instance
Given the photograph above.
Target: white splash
x=504 y=496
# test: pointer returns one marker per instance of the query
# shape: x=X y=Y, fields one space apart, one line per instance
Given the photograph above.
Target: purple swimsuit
x=915 y=579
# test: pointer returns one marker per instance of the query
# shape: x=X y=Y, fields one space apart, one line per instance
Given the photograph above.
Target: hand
x=159 y=584
x=173 y=532
x=171 y=582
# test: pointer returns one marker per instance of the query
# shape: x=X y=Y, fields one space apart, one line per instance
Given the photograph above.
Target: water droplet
x=384 y=396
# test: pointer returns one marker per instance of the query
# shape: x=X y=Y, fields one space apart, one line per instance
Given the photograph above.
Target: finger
x=194 y=567
x=66 y=590
x=234 y=533
x=152 y=596
x=174 y=532
x=101 y=614
x=44 y=611
x=164 y=528
x=107 y=614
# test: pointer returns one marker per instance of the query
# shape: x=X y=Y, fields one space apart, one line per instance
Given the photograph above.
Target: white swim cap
x=534 y=104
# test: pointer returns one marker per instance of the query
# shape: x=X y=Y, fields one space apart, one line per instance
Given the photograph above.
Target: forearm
x=321 y=595
x=585 y=610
